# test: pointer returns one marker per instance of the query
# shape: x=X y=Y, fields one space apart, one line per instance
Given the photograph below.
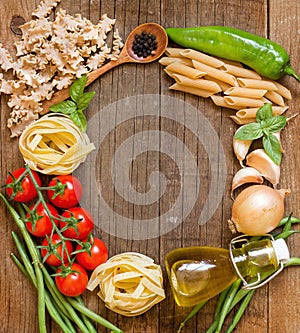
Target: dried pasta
x=129 y=283
x=54 y=145
x=228 y=83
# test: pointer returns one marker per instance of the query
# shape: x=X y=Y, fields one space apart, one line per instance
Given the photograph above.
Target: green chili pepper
x=264 y=56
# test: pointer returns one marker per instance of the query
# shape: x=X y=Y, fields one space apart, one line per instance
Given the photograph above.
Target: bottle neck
x=255 y=257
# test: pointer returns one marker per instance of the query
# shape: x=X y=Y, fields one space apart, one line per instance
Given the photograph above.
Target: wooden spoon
x=127 y=55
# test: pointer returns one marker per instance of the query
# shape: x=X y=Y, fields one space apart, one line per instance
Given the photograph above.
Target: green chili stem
x=240 y=311
x=34 y=256
x=194 y=311
x=92 y=315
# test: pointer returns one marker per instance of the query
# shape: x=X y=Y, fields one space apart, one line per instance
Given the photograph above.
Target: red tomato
x=38 y=222
x=95 y=253
x=67 y=192
x=72 y=280
x=76 y=223
x=52 y=252
x=24 y=190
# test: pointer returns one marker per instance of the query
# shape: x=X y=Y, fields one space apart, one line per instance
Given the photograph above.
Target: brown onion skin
x=257 y=210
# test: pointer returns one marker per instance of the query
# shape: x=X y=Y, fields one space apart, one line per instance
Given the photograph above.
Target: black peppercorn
x=144 y=44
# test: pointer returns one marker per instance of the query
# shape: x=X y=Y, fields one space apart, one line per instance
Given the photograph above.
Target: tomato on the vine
x=38 y=221
x=76 y=223
x=52 y=250
x=71 y=280
x=19 y=185
x=65 y=192
x=94 y=252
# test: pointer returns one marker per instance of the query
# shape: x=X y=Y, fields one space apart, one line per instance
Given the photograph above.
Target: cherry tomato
x=76 y=223
x=52 y=250
x=38 y=222
x=67 y=192
x=24 y=190
x=95 y=253
x=72 y=280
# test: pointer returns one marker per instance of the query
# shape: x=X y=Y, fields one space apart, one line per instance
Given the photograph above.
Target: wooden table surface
x=275 y=307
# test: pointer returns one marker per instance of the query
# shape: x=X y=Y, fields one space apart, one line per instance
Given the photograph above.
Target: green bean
x=293 y=262
x=285 y=220
x=231 y=294
x=286 y=234
x=92 y=315
x=221 y=300
x=194 y=311
x=85 y=319
x=38 y=273
x=240 y=311
x=62 y=299
x=56 y=316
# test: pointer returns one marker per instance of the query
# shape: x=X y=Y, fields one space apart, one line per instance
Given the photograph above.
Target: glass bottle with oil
x=199 y=273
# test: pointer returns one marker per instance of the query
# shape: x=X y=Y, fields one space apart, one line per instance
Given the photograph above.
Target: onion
x=257 y=210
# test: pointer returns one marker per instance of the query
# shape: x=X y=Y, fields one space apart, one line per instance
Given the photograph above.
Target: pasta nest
x=129 y=283
x=54 y=145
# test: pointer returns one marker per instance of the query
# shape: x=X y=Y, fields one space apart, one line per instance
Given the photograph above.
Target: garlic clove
x=259 y=160
x=246 y=175
x=241 y=148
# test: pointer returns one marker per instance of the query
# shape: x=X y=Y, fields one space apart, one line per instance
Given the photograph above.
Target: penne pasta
x=243 y=101
x=242 y=121
x=274 y=97
x=240 y=72
x=185 y=70
x=191 y=90
x=251 y=112
x=197 y=83
x=165 y=61
x=201 y=57
x=282 y=90
x=245 y=92
x=224 y=86
x=216 y=73
x=173 y=52
x=220 y=101
x=257 y=84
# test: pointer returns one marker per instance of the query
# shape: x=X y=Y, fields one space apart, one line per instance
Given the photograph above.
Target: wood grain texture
x=275 y=308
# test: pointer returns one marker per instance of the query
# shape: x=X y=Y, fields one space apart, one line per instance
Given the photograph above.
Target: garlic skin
x=244 y=176
x=257 y=210
x=259 y=160
x=241 y=148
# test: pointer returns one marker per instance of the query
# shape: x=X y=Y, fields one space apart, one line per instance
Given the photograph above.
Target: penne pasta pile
x=227 y=83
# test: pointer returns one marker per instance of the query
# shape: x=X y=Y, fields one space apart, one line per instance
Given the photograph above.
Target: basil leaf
x=77 y=87
x=65 y=107
x=264 y=112
x=274 y=124
x=272 y=147
x=84 y=100
x=250 y=131
x=79 y=120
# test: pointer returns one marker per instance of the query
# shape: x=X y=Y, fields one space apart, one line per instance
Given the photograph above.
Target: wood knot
x=15 y=23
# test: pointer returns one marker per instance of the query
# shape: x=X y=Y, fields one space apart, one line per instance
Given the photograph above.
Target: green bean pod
x=264 y=56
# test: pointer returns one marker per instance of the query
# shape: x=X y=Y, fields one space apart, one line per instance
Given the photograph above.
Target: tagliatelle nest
x=54 y=145
x=50 y=55
x=130 y=283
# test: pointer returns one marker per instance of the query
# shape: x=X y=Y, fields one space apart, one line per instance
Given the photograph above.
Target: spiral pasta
x=130 y=283
x=54 y=145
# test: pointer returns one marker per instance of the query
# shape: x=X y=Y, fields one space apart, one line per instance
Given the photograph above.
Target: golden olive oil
x=200 y=273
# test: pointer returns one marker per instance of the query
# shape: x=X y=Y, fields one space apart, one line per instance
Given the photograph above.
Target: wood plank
x=172 y=138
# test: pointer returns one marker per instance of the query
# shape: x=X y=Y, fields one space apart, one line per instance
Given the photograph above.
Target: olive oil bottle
x=200 y=273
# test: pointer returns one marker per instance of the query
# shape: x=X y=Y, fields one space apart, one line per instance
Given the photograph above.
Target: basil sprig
x=79 y=101
x=265 y=126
